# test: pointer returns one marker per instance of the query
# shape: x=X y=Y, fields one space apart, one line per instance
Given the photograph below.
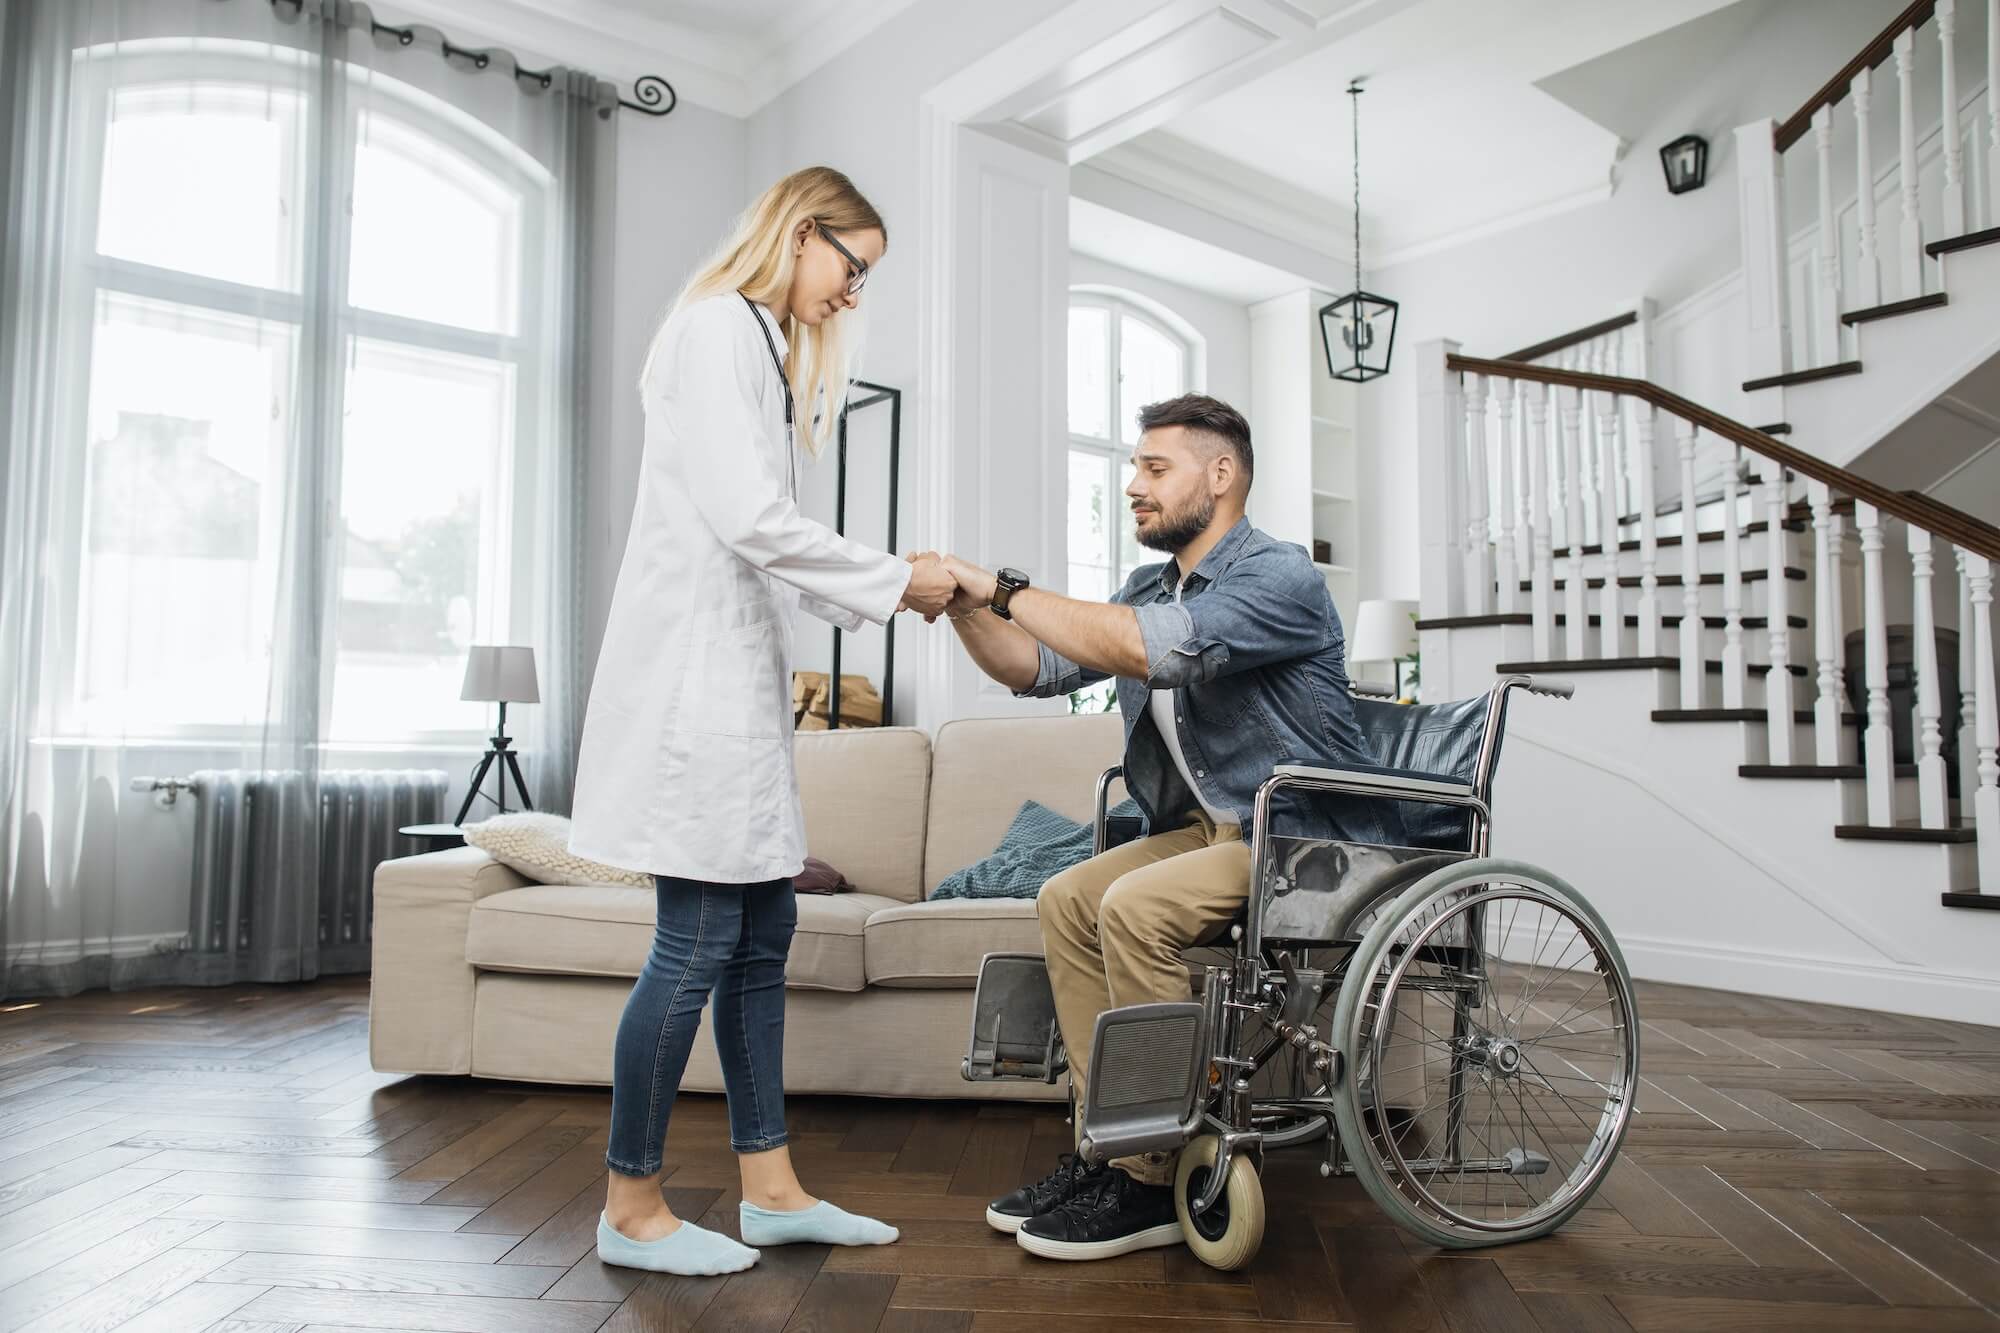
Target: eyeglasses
x=857 y=275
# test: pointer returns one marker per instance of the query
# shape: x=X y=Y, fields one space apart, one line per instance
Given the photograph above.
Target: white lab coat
x=686 y=761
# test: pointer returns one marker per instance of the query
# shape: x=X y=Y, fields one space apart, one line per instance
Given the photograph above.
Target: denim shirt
x=1254 y=645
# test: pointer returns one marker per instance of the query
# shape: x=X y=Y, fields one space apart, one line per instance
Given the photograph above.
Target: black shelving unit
x=871 y=395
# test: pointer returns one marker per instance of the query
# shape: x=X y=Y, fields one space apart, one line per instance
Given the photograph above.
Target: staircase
x=1720 y=787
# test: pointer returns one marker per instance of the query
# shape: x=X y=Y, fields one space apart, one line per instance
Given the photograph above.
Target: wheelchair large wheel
x=1492 y=1055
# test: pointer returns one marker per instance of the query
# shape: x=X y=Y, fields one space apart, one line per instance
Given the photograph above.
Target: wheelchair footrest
x=1147 y=1077
x=1014 y=1033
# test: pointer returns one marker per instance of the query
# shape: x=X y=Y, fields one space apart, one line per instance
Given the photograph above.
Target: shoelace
x=1095 y=1195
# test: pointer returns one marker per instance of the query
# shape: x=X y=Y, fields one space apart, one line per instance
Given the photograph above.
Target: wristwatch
x=1006 y=583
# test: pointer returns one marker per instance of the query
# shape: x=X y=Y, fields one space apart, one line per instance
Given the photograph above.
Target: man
x=1230 y=660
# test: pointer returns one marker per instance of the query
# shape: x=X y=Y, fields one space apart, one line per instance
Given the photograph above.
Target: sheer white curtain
x=292 y=404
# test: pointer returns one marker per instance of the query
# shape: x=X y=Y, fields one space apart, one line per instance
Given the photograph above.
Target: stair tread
x=1928 y=301
x=1475 y=622
x=1968 y=241
x=1816 y=770
x=1677 y=539
x=1674 y=621
x=1803 y=376
x=1739 y=715
x=1903 y=833
x=1760 y=574
x=1975 y=899
x=1658 y=663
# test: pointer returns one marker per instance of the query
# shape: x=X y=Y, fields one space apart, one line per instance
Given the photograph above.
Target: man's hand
x=932 y=586
x=976 y=586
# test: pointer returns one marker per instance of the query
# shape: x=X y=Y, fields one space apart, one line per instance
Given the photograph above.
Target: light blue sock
x=691 y=1251
x=821 y=1224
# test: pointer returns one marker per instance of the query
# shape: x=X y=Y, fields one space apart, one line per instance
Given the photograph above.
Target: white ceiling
x=1455 y=136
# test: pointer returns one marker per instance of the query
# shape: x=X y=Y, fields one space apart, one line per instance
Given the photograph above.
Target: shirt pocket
x=1224 y=700
x=736 y=667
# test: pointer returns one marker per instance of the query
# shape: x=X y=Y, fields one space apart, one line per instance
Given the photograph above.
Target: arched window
x=1123 y=354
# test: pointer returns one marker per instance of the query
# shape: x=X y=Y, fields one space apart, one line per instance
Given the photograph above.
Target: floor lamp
x=501 y=675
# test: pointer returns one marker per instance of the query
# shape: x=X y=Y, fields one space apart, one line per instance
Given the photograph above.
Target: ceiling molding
x=1173 y=166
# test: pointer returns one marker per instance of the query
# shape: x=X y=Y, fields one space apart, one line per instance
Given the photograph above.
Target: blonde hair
x=757 y=260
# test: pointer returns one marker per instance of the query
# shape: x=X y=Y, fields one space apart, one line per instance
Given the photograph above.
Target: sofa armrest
x=420 y=990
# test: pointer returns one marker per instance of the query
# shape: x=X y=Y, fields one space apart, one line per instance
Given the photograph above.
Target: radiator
x=248 y=826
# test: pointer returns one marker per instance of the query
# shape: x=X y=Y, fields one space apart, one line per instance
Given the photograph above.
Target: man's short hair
x=1220 y=425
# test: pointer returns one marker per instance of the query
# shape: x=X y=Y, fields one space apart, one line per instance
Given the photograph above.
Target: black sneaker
x=1109 y=1214
x=1006 y=1214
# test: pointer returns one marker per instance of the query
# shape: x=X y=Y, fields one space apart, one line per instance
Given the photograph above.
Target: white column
x=1878 y=743
x=1826 y=252
x=1992 y=113
x=1760 y=204
x=1986 y=800
x=1610 y=614
x=1569 y=407
x=1927 y=730
x=1693 y=672
x=1649 y=532
x=1542 y=598
x=1911 y=241
x=1441 y=572
x=1778 y=693
x=1968 y=662
x=1867 y=266
x=1732 y=594
x=1952 y=142
x=1826 y=640
x=1505 y=563
x=1478 y=532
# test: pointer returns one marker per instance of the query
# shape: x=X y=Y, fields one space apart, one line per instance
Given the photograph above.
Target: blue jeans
x=731 y=939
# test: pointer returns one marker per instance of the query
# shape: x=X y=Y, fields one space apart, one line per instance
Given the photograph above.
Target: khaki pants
x=1115 y=928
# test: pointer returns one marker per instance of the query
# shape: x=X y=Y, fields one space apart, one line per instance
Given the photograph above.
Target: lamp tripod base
x=501 y=751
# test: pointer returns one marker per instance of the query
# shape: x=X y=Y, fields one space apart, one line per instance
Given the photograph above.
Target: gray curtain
x=278 y=437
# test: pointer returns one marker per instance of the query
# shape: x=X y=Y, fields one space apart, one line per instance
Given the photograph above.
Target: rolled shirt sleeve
x=1056 y=675
x=710 y=388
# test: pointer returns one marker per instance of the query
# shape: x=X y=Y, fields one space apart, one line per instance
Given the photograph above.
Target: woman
x=686 y=763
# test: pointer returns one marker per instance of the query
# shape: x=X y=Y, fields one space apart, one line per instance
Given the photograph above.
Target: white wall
x=1222 y=325
x=1545 y=278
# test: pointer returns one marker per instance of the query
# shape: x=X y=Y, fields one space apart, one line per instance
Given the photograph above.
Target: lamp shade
x=500 y=675
x=1385 y=630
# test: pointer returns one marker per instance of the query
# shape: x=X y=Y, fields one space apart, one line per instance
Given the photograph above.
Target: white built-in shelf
x=1332 y=569
x=1319 y=420
x=1331 y=495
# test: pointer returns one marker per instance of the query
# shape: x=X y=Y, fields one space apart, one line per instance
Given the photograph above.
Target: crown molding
x=1176 y=167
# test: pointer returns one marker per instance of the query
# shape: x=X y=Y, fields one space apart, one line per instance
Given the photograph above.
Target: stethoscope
x=791 y=455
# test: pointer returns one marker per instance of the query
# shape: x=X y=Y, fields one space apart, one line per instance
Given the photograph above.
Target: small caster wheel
x=1228 y=1235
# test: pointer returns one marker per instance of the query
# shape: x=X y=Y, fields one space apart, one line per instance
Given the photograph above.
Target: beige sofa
x=480 y=971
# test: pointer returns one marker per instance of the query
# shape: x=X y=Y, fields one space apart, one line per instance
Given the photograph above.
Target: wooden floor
x=225 y=1160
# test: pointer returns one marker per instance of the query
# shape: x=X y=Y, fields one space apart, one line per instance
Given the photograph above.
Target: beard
x=1171 y=531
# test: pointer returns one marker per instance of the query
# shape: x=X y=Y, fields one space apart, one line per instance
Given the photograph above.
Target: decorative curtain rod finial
x=652 y=90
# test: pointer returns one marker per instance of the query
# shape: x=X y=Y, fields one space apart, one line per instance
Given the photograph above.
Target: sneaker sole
x=1149 y=1239
x=1003 y=1223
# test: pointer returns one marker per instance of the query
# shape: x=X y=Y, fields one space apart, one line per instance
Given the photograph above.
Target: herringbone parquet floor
x=187 y=1160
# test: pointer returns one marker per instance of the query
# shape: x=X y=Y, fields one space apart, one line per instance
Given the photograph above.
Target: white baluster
x=1951 y=141
x=1986 y=800
x=1478 y=534
x=1847 y=743
x=1649 y=532
x=1826 y=643
x=1509 y=575
x=1878 y=743
x=1867 y=266
x=1968 y=662
x=1611 y=618
x=1693 y=670
x=1569 y=408
x=1778 y=693
x=1929 y=734
x=1542 y=598
x=1732 y=593
x=1910 y=241
x=1826 y=253
x=1992 y=114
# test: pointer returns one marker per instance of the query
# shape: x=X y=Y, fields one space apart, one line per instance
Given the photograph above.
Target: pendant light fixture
x=1358 y=329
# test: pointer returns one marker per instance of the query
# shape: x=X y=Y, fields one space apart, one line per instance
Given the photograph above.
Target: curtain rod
x=656 y=97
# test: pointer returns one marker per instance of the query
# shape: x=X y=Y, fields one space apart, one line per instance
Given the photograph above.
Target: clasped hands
x=945 y=585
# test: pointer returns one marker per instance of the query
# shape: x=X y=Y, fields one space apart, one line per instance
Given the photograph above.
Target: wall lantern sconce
x=1685 y=161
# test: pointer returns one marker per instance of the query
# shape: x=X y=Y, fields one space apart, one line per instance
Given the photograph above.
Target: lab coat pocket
x=735 y=675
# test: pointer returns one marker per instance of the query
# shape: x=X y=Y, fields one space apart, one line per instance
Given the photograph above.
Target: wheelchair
x=1457 y=1030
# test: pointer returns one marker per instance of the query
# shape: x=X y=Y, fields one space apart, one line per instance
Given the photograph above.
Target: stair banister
x=1952 y=144
x=1926 y=725
x=1692 y=670
x=1541 y=601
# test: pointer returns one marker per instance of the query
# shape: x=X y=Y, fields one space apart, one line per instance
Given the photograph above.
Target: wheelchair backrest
x=1443 y=739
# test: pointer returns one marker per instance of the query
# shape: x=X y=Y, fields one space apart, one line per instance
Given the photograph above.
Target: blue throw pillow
x=1039 y=845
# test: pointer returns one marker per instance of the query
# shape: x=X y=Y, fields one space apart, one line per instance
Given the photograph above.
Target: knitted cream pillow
x=537 y=845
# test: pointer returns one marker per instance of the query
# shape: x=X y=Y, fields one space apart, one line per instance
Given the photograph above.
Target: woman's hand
x=931 y=586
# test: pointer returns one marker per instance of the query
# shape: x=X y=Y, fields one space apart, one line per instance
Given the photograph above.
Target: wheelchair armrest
x=1099 y=841
x=1373 y=780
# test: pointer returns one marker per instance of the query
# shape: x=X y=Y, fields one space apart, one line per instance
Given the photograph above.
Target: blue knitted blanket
x=1039 y=845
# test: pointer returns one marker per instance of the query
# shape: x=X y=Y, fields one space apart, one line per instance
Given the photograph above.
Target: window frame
x=506 y=586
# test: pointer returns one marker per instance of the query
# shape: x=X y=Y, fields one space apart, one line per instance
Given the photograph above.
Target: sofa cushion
x=606 y=930
x=865 y=793
x=984 y=768
x=939 y=944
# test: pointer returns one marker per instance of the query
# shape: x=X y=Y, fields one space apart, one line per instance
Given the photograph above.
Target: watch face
x=1013 y=578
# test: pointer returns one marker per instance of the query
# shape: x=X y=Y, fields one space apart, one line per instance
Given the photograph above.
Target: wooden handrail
x=1795 y=126
x=1929 y=514
x=1568 y=340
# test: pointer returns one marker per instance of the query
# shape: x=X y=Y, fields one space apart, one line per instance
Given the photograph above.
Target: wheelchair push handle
x=1555 y=687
